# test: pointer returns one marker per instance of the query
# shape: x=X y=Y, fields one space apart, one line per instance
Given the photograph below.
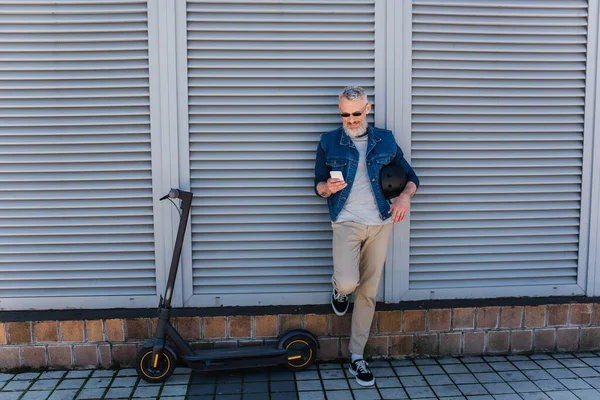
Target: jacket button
x=343 y=198
x=369 y=163
x=373 y=179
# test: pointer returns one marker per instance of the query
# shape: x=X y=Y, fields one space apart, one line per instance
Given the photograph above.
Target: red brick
x=426 y=344
x=402 y=345
x=581 y=314
x=414 y=320
x=511 y=317
x=487 y=317
x=2 y=333
x=340 y=326
x=317 y=324
x=46 y=331
x=189 y=327
x=19 y=332
x=558 y=314
x=595 y=320
x=9 y=357
x=104 y=350
x=138 y=328
x=124 y=354
x=240 y=326
x=590 y=338
x=214 y=327
x=114 y=330
x=377 y=346
x=544 y=339
x=59 y=356
x=34 y=356
x=94 y=330
x=567 y=339
x=535 y=316
x=265 y=325
x=464 y=318
x=474 y=343
x=521 y=341
x=329 y=350
x=288 y=322
x=86 y=356
x=449 y=344
x=390 y=321
x=71 y=331
x=498 y=341
x=439 y=320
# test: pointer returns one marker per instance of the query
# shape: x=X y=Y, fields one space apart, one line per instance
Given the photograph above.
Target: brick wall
x=401 y=333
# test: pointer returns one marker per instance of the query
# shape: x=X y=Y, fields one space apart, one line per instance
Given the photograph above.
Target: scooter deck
x=235 y=353
x=232 y=358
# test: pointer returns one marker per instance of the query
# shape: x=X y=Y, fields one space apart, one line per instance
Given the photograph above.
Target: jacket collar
x=346 y=141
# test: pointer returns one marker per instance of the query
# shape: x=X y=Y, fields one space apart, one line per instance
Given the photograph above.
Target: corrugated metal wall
x=497 y=137
x=76 y=215
x=264 y=77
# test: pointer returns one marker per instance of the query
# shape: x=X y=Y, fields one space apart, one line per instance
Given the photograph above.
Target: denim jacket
x=337 y=152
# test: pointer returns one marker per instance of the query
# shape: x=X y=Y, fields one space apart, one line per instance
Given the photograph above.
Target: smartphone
x=337 y=174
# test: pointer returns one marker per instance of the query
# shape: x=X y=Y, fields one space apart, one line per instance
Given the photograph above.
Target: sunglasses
x=355 y=113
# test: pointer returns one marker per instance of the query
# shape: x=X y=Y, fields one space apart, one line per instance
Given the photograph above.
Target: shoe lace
x=362 y=366
x=339 y=297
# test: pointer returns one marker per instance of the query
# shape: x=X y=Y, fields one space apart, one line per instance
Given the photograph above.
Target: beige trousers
x=359 y=252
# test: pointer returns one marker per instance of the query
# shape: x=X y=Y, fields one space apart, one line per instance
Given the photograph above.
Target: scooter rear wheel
x=144 y=366
x=307 y=349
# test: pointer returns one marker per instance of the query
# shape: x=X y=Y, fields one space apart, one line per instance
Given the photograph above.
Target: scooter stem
x=186 y=205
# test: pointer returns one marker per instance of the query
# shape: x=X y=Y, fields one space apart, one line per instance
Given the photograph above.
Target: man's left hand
x=399 y=209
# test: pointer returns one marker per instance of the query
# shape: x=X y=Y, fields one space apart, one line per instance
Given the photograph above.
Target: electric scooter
x=157 y=360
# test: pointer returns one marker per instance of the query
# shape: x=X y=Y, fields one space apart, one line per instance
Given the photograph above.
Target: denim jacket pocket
x=384 y=159
x=336 y=164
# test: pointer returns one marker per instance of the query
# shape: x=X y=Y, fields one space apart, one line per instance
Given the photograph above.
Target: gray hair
x=354 y=92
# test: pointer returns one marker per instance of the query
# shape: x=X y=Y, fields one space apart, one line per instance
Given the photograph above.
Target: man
x=361 y=217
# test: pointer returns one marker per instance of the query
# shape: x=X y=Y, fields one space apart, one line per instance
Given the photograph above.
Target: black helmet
x=393 y=180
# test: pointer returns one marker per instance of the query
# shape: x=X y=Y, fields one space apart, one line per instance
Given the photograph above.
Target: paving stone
x=463 y=378
x=585 y=372
x=283 y=386
x=561 y=373
x=311 y=396
x=63 y=394
x=307 y=375
x=26 y=376
x=438 y=380
x=366 y=394
x=127 y=372
x=304 y=386
x=102 y=373
x=335 y=395
x=89 y=394
x=472 y=389
x=524 y=365
x=50 y=375
x=341 y=384
x=383 y=382
x=512 y=376
x=6 y=377
x=488 y=377
x=255 y=377
x=333 y=374
x=401 y=363
x=78 y=374
x=480 y=367
x=523 y=387
x=455 y=369
x=538 y=374
x=10 y=395
x=71 y=384
x=425 y=361
x=563 y=395
x=446 y=390
x=576 y=383
x=46 y=384
x=498 y=388
x=419 y=391
x=202 y=389
x=549 y=384
x=16 y=385
x=595 y=382
x=119 y=393
x=282 y=376
x=124 y=381
x=383 y=372
x=43 y=394
x=178 y=380
x=586 y=393
x=148 y=391
x=573 y=363
x=431 y=369
x=395 y=394
x=97 y=383
x=255 y=396
x=547 y=364
x=413 y=381
x=407 y=371
x=180 y=390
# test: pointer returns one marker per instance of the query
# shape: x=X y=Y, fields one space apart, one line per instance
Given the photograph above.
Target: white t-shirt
x=361 y=206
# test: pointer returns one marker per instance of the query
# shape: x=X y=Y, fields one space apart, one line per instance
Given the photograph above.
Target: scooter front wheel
x=154 y=371
x=302 y=352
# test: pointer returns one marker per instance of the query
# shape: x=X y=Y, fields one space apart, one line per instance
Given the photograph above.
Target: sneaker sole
x=361 y=382
x=339 y=314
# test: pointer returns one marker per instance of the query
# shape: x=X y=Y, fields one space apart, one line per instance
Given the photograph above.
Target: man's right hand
x=333 y=185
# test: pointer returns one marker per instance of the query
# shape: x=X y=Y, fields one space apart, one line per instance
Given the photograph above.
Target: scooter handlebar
x=175 y=194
